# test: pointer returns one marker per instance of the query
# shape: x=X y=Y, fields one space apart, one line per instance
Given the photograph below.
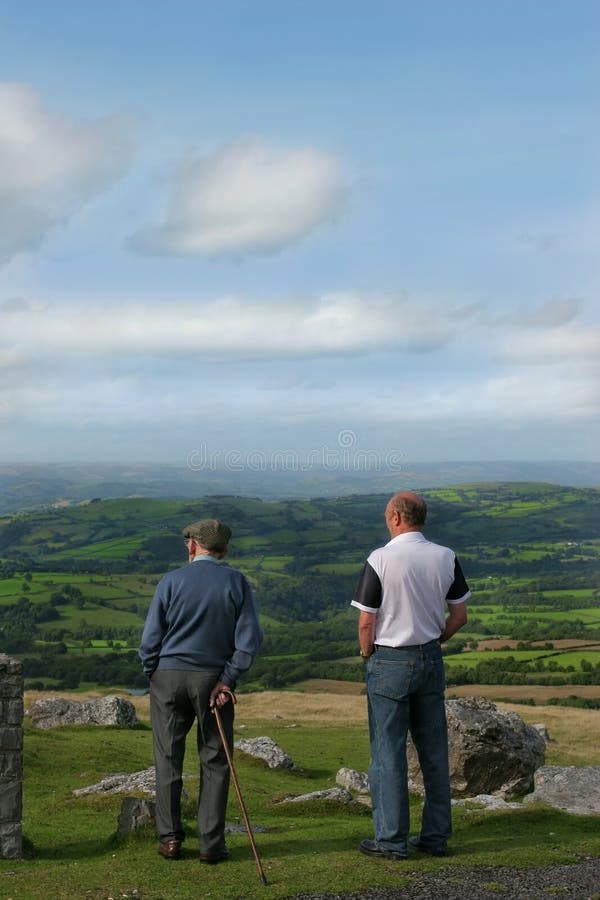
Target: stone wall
x=11 y=757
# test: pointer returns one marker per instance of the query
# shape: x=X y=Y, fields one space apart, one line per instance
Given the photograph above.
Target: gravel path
x=580 y=881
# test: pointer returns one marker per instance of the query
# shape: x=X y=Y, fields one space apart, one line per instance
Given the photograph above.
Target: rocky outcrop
x=357 y=782
x=55 y=712
x=266 y=749
x=122 y=782
x=491 y=752
x=574 y=789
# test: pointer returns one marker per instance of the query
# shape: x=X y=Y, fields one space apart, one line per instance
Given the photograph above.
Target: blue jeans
x=405 y=691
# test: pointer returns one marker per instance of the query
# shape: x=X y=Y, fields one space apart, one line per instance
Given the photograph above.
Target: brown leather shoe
x=170 y=849
x=215 y=857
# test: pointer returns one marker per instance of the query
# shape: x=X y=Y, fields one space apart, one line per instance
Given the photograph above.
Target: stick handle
x=238 y=792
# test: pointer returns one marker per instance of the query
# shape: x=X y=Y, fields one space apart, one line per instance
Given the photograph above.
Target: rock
x=238 y=828
x=122 y=782
x=575 y=789
x=135 y=813
x=339 y=795
x=357 y=782
x=54 y=712
x=541 y=729
x=490 y=751
x=266 y=749
x=488 y=801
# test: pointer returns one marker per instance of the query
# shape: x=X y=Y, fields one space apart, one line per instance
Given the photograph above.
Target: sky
x=257 y=226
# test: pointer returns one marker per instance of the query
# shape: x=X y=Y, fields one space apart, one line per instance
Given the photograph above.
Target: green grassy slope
x=306 y=848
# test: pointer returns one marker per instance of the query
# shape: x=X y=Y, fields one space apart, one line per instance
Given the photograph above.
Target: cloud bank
x=247 y=197
x=337 y=324
x=381 y=360
x=50 y=166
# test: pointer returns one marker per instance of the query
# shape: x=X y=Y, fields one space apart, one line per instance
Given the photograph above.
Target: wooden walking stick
x=217 y=715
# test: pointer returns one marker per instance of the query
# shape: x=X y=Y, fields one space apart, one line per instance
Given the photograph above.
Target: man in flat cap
x=201 y=633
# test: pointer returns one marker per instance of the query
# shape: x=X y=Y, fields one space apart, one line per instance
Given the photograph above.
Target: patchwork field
x=75 y=583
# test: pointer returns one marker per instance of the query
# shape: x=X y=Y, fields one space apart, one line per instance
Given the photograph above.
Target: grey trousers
x=177 y=698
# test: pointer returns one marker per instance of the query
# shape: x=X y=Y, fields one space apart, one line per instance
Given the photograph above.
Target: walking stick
x=217 y=714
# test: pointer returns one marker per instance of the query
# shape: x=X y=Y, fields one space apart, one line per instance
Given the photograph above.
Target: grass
x=306 y=848
x=112 y=548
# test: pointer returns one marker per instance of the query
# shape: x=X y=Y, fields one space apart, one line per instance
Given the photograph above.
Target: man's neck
x=404 y=529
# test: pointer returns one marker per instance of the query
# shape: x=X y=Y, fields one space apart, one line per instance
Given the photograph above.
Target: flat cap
x=210 y=534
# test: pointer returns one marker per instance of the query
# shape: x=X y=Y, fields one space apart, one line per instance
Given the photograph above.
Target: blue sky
x=259 y=226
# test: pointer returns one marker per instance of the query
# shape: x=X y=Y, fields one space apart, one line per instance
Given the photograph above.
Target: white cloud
x=333 y=325
x=247 y=197
x=50 y=166
x=551 y=313
x=133 y=362
x=94 y=399
x=564 y=393
x=575 y=342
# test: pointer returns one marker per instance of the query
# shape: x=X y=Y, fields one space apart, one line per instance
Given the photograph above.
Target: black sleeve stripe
x=459 y=586
x=368 y=591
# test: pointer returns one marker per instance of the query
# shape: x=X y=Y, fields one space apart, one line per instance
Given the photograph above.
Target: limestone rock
x=541 y=729
x=122 y=782
x=54 y=712
x=575 y=789
x=135 y=813
x=490 y=751
x=339 y=795
x=357 y=782
x=486 y=801
x=266 y=749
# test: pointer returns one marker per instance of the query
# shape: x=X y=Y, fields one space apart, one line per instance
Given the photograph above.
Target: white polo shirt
x=407 y=585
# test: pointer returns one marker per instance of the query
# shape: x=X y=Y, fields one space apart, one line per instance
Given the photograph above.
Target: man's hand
x=457 y=618
x=221 y=694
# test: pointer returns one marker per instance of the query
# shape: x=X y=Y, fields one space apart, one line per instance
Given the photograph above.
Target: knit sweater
x=202 y=616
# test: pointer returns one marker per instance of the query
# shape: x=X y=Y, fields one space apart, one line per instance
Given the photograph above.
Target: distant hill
x=33 y=486
x=132 y=533
x=76 y=579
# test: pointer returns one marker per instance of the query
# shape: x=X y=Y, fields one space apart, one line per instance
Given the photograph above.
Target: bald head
x=405 y=511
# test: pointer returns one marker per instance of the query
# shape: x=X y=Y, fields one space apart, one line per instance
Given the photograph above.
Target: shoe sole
x=428 y=850
x=384 y=854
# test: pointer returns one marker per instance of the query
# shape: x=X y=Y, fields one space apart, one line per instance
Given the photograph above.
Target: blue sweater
x=202 y=616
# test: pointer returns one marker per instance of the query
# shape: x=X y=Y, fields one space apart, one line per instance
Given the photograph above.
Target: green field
x=80 y=578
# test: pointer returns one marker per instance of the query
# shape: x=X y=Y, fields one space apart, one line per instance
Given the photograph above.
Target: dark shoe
x=417 y=844
x=215 y=857
x=371 y=848
x=170 y=849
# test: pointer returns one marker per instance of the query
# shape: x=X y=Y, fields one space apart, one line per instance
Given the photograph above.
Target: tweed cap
x=210 y=534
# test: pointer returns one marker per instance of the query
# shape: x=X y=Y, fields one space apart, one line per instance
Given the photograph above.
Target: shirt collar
x=406 y=537
x=204 y=556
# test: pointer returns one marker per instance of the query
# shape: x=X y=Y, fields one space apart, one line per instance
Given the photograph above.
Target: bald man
x=411 y=598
